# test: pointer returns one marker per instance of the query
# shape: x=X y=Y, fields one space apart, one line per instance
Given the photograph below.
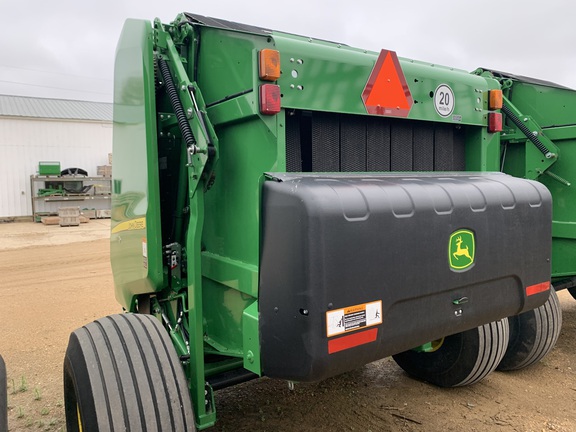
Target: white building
x=78 y=134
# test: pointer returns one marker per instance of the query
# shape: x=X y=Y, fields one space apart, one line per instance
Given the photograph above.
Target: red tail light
x=269 y=99
x=494 y=122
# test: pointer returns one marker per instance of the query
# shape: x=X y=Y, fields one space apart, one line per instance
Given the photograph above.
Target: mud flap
x=355 y=268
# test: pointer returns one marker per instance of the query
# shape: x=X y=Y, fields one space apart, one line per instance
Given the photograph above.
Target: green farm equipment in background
x=46 y=168
x=537 y=143
x=296 y=208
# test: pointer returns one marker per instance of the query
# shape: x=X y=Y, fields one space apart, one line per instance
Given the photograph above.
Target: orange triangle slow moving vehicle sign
x=386 y=92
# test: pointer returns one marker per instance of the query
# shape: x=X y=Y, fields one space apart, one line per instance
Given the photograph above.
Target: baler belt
x=332 y=142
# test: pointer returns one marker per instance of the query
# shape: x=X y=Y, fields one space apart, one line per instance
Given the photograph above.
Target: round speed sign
x=444 y=100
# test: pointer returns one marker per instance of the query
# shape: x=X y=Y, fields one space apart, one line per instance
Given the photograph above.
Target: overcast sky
x=65 y=48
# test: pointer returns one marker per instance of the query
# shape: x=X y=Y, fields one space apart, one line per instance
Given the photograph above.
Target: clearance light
x=494 y=122
x=269 y=64
x=269 y=99
x=495 y=99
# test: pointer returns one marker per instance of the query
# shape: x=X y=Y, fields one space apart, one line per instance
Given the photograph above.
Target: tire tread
x=493 y=339
x=547 y=320
x=134 y=377
x=3 y=396
x=463 y=359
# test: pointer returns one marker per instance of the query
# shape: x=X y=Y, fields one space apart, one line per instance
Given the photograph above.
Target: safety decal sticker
x=353 y=318
x=145 y=252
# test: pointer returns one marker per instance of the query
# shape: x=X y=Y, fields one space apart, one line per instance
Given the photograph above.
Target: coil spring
x=539 y=145
x=176 y=104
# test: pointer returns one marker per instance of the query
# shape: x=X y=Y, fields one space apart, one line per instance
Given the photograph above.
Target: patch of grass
x=23 y=385
x=34 y=416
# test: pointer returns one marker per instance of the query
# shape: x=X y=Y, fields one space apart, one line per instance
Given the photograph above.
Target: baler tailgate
x=359 y=267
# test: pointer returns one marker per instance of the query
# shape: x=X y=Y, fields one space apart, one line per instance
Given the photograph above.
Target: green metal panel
x=205 y=413
x=231 y=231
x=482 y=147
x=250 y=145
x=251 y=339
x=482 y=150
x=549 y=106
x=324 y=76
x=563 y=208
x=135 y=243
x=225 y=63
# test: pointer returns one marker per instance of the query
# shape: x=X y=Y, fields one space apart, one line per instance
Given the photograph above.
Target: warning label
x=354 y=317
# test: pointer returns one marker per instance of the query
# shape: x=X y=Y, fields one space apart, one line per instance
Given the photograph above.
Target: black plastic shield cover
x=355 y=268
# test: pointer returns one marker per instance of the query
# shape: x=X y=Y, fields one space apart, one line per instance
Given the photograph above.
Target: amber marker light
x=495 y=99
x=269 y=64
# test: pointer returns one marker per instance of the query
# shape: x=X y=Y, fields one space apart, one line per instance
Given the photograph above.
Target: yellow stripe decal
x=129 y=225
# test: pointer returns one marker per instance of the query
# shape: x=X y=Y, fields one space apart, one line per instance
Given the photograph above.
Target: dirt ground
x=57 y=279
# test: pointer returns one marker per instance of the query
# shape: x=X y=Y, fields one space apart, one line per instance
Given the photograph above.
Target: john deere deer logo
x=461 y=249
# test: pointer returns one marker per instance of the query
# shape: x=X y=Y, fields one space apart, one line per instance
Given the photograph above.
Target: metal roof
x=21 y=106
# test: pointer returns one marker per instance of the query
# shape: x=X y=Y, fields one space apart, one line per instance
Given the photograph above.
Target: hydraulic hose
x=520 y=125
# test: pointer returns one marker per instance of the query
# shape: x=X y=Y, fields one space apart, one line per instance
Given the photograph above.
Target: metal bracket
x=542 y=154
x=188 y=104
x=173 y=255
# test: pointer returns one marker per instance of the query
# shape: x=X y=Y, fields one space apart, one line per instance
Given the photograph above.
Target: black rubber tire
x=3 y=396
x=73 y=172
x=533 y=334
x=122 y=372
x=462 y=359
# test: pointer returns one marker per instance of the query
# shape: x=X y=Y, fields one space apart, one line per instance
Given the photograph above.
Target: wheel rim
x=430 y=347
x=79 y=419
x=436 y=344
